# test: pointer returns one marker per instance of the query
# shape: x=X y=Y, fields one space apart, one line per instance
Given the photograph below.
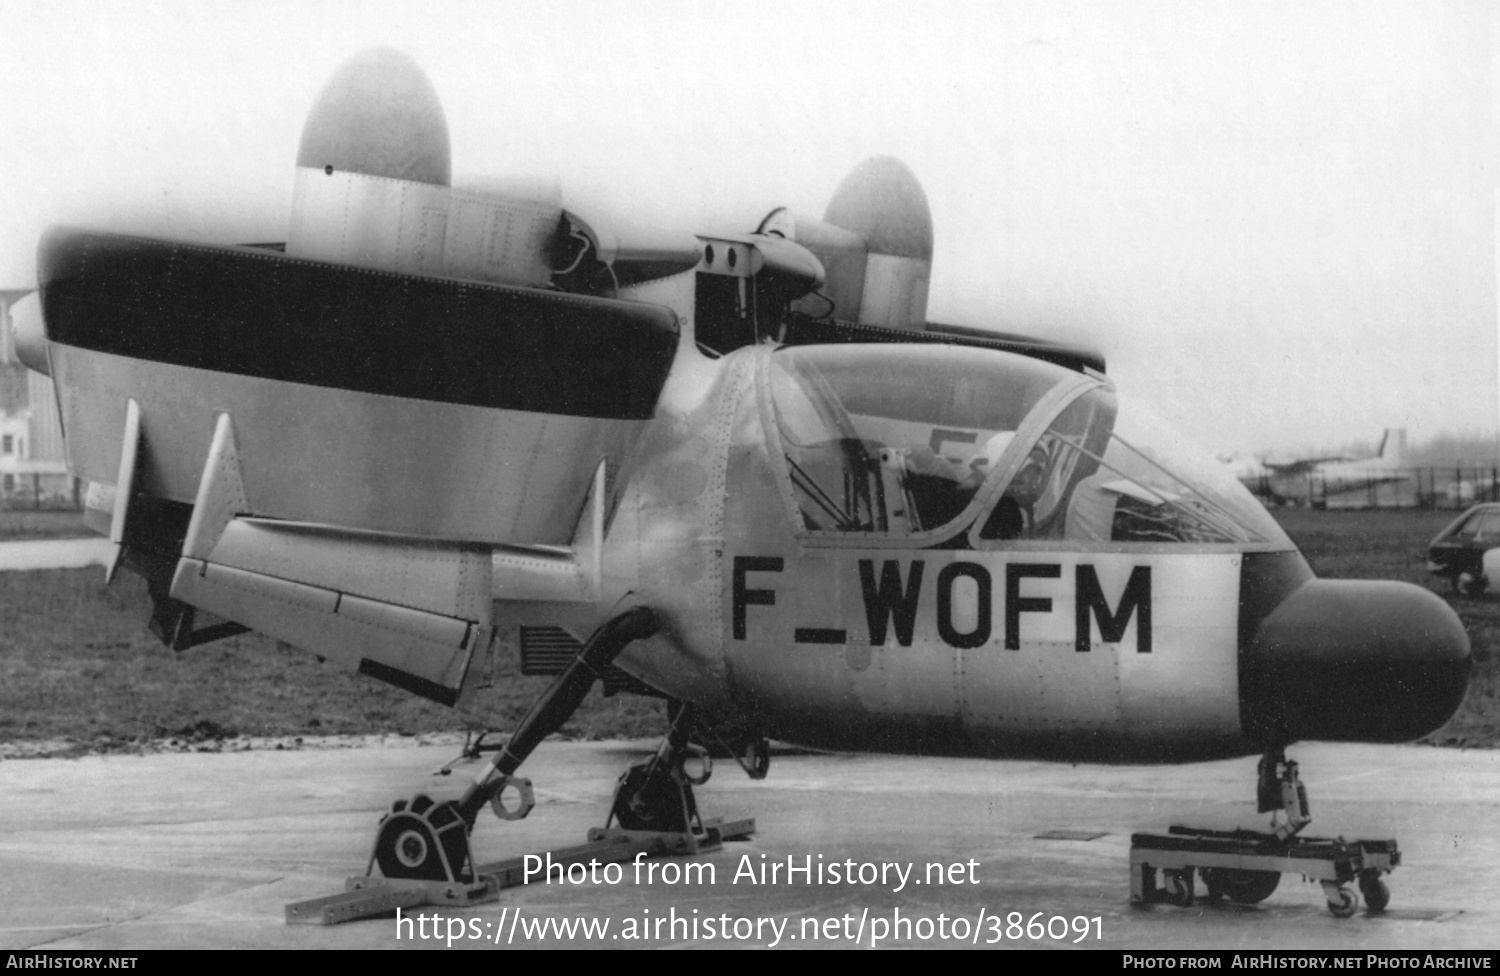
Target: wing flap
x=450 y=580
x=431 y=627
x=309 y=618
x=419 y=649
x=254 y=588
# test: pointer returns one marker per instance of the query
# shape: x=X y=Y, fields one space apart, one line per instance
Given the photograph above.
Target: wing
x=1302 y=466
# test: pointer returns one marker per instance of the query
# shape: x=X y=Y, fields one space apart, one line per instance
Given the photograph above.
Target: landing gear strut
x=1245 y=866
x=428 y=841
x=422 y=847
x=1279 y=790
x=657 y=795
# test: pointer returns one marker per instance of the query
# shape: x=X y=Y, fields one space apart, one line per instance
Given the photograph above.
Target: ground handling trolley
x=1245 y=866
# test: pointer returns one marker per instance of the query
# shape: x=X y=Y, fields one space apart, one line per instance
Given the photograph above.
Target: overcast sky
x=1278 y=220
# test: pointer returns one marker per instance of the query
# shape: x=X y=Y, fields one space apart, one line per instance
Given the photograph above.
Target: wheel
x=424 y=840
x=1466 y=583
x=406 y=847
x=1377 y=895
x=411 y=848
x=1241 y=886
x=648 y=798
x=697 y=764
x=756 y=758
x=1179 y=889
x=1345 y=905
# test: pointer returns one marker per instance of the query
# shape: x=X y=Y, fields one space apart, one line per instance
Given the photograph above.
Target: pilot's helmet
x=1031 y=476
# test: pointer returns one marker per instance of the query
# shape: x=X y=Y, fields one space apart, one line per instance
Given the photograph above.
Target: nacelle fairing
x=875 y=240
x=374 y=187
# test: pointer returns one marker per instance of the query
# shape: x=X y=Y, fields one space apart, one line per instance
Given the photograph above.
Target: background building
x=33 y=472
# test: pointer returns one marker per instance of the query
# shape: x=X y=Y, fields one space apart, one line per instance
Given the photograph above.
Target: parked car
x=1458 y=551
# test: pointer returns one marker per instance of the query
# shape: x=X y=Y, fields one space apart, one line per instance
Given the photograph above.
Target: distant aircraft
x=742 y=473
x=1251 y=472
x=1311 y=481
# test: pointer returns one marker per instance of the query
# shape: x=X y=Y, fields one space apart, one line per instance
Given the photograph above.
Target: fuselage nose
x=1353 y=661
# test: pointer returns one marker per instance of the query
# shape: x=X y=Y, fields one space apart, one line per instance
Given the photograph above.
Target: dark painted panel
x=1266 y=579
x=261 y=314
x=1353 y=661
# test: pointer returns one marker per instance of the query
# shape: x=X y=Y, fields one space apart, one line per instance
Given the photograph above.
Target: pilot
x=1014 y=514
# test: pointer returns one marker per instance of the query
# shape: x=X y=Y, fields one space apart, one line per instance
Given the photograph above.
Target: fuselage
x=884 y=609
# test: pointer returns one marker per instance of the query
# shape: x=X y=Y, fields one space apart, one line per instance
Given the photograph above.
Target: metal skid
x=368 y=896
x=1246 y=865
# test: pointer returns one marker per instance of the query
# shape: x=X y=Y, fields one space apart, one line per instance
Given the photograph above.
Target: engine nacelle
x=503 y=233
x=875 y=244
x=373 y=169
x=374 y=186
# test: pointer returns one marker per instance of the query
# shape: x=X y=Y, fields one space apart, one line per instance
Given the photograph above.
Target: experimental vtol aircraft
x=742 y=473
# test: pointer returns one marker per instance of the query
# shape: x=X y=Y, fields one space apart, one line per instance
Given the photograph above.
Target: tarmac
x=205 y=850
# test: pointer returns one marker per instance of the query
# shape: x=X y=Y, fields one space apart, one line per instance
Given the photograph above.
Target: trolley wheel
x=1179 y=888
x=1377 y=895
x=1345 y=905
x=1241 y=886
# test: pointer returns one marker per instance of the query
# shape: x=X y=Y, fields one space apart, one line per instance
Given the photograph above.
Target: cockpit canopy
x=953 y=446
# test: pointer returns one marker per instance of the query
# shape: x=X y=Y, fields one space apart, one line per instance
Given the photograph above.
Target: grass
x=78 y=668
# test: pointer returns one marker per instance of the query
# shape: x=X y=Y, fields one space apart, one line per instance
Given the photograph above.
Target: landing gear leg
x=657 y=794
x=654 y=802
x=1279 y=790
x=423 y=840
